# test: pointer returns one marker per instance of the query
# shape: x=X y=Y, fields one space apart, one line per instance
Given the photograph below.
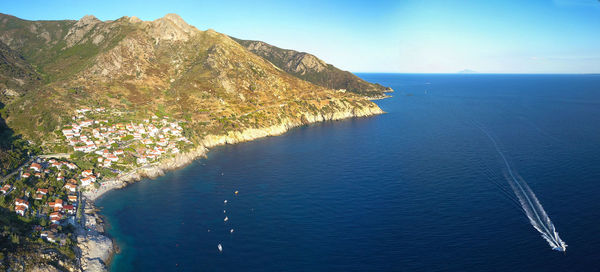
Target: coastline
x=374 y=98
x=96 y=248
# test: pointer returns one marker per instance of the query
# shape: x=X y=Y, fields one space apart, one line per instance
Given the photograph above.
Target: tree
x=77 y=155
x=14 y=238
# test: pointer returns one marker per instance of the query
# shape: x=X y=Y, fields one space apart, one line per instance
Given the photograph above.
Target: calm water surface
x=410 y=190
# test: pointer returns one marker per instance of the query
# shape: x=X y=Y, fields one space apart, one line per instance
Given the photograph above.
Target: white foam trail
x=530 y=204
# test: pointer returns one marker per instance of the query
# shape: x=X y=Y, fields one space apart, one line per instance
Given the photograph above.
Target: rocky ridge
x=310 y=68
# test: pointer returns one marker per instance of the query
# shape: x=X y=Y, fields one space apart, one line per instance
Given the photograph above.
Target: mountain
x=154 y=92
x=312 y=69
x=165 y=67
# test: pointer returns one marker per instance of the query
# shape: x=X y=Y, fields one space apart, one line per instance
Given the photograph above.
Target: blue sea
x=420 y=188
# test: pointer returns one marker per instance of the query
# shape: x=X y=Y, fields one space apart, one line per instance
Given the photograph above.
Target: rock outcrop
x=96 y=250
x=77 y=33
x=171 y=28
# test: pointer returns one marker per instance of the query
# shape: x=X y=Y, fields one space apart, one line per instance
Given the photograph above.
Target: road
x=57 y=155
x=3 y=179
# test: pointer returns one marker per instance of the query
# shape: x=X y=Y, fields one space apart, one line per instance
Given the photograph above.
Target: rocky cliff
x=310 y=68
x=233 y=137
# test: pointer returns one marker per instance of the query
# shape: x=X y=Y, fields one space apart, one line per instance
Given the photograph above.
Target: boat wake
x=529 y=203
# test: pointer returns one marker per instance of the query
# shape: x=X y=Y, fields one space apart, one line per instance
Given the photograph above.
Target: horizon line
x=459 y=73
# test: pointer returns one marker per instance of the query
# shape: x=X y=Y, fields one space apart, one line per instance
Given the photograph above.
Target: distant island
x=88 y=105
x=467 y=71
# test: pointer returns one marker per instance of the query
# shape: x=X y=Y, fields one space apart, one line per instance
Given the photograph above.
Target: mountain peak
x=134 y=19
x=87 y=20
x=171 y=27
x=177 y=21
x=174 y=17
x=80 y=29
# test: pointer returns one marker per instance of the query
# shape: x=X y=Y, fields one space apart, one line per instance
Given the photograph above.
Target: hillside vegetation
x=164 y=67
x=310 y=68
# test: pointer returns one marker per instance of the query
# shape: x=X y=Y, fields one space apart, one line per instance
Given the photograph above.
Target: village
x=144 y=142
x=48 y=190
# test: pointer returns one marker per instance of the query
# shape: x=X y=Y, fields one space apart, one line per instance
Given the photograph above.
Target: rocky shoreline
x=96 y=248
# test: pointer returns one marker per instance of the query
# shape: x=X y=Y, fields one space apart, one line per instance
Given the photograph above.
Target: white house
x=141 y=160
x=86 y=181
x=35 y=166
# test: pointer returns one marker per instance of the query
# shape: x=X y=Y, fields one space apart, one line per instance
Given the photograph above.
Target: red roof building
x=36 y=167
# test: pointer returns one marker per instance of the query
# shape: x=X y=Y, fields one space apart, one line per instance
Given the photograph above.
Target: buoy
x=223 y=211
x=236 y=192
x=225 y=202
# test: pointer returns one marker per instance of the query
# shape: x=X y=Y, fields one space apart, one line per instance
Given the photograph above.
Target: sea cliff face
x=96 y=248
x=306 y=118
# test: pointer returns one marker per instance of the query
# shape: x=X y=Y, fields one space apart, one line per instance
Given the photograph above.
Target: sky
x=420 y=36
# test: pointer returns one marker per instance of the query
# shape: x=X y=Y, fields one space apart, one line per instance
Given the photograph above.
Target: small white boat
x=224 y=211
x=231 y=231
x=236 y=192
x=220 y=247
x=225 y=220
x=225 y=202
